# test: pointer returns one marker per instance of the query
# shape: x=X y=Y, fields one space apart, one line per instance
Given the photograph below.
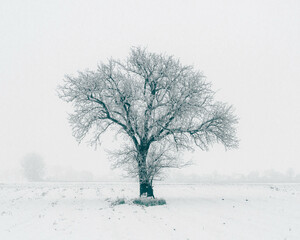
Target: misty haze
x=149 y=120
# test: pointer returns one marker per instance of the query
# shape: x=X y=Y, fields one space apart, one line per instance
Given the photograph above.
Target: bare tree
x=158 y=104
x=33 y=167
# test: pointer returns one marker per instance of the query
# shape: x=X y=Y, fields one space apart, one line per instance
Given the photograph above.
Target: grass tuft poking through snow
x=118 y=201
x=149 y=201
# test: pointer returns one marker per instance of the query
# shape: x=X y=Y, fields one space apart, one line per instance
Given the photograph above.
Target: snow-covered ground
x=193 y=211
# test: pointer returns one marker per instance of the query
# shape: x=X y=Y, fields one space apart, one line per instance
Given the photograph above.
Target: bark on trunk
x=146 y=188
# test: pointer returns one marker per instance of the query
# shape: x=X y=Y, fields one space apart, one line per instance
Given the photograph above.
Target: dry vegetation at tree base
x=149 y=201
x=143 y=201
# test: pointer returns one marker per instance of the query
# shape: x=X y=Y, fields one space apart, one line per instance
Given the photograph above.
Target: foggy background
x=249 y=50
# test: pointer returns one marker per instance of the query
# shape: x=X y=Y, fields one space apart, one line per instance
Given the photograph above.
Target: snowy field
x=193 y=211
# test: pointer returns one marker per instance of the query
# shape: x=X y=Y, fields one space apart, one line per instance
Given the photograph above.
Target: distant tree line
x=269 y=176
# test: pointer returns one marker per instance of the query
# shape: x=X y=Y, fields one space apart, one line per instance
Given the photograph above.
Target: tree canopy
x=160 y=105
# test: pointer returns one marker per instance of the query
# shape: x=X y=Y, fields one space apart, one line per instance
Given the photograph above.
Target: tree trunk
x=146 y=188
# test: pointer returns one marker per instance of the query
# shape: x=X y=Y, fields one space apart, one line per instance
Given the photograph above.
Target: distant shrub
x=149 y=201
x=118 y=201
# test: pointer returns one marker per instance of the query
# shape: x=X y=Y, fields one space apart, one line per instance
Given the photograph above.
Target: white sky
x=249 y=50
